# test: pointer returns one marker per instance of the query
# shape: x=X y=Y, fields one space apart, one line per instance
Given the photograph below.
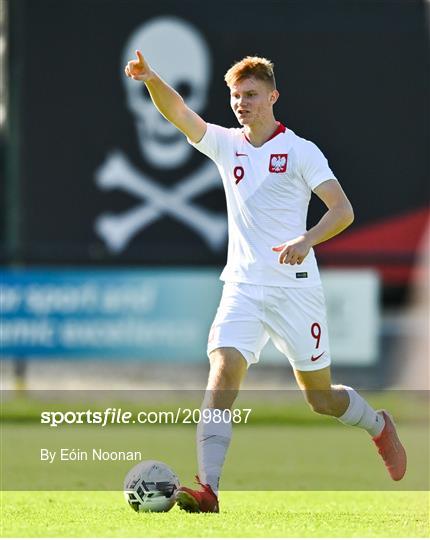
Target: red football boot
x=197 y=500
x=391 y=449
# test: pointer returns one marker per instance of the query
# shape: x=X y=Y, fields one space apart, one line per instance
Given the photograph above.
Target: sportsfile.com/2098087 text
x=111 y=415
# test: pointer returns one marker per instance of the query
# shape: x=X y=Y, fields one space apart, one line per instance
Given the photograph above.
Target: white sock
x=213 y=440
x=360 y=414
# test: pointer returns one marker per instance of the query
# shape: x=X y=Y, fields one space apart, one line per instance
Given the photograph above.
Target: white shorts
x=295 y=320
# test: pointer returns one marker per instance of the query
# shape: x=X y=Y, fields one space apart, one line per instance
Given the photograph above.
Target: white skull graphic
x=177 y=51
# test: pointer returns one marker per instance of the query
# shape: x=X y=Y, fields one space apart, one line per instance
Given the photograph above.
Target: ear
x=274 y=97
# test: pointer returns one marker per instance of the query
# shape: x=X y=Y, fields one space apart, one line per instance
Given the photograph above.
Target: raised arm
x=166 y=99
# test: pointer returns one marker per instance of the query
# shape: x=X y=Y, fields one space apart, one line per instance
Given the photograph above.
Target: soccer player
x=272 y=285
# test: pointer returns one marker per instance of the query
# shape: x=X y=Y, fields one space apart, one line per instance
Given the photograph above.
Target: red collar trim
x=280 y=129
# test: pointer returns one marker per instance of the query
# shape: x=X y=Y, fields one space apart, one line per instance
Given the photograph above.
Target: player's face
x=252 y=101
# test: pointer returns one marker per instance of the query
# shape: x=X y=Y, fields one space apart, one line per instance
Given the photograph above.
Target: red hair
x=251 y=66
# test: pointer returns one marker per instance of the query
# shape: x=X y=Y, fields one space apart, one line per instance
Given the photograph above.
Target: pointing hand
x=138 y=69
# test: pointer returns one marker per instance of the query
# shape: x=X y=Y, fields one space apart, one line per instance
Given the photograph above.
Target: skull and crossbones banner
x=100 y=177
x=162 y=146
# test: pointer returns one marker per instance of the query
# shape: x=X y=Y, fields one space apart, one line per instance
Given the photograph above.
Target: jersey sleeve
x=314 y=166
x=213 y=142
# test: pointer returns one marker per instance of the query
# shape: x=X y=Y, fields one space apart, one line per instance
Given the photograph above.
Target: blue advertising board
x=152 y=315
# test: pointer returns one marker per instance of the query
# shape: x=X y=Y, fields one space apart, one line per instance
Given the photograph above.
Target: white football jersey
x=267 y=192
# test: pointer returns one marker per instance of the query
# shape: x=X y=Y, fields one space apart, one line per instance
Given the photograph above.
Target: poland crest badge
x=278 y=163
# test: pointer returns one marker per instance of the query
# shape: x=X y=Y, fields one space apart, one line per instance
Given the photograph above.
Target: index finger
x=139 y=56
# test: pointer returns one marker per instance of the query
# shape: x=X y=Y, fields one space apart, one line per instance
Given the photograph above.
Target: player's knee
x=225 y=376
x=319 y=401
x=319 y=407
x=227 y=367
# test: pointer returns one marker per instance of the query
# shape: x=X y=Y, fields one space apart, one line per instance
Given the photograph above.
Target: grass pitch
x=243 y=514
x=315 y=458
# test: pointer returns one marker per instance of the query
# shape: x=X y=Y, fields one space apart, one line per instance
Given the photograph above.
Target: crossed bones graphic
x=118 y=230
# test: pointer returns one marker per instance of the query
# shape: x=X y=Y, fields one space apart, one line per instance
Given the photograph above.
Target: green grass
x=268 y=406
x=261 y=458
x=243 y=514
x=316 y=459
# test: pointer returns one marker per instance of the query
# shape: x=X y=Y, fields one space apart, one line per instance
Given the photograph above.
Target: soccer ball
x=151 y=486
